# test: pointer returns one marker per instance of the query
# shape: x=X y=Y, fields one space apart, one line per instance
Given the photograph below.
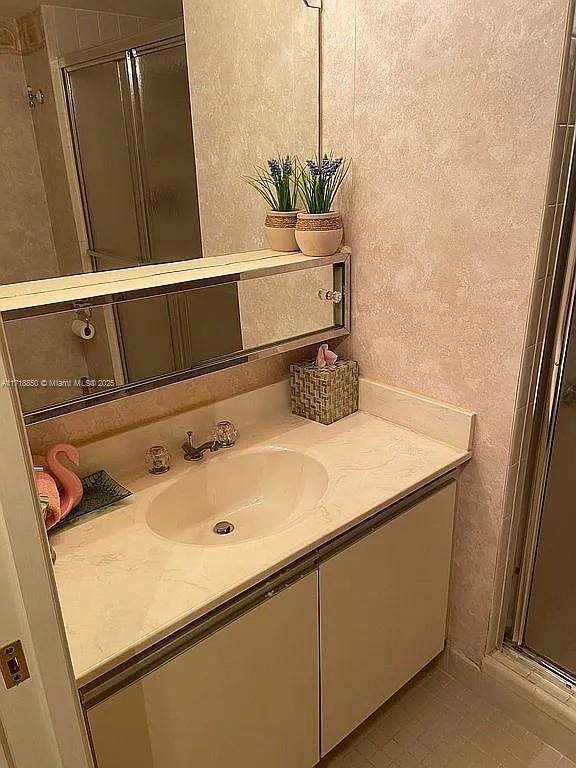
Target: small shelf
x=75 y=288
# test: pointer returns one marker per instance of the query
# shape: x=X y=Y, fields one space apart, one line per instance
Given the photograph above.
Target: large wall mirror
x=126 y=126
x=74 y=352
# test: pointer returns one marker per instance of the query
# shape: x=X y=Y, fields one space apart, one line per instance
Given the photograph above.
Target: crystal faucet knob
x=226 y=434
x=157 y=459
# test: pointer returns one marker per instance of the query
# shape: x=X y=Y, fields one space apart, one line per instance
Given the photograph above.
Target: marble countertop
x=122 y=587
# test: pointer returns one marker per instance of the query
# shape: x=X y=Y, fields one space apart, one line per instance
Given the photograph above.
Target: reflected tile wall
x=453 y=112
x=8 y=35
x=55 y=180
x=68 y=29
x=26 y=246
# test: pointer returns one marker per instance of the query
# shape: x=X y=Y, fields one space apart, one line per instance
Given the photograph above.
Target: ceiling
x=156 y=9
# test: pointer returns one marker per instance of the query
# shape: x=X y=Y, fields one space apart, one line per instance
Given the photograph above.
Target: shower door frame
x=551 y=395
x=550 y=316
x=552 y=366
x=126 y=90
x=124 y=50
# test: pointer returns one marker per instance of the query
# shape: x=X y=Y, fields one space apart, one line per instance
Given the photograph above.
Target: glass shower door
x=550 y=630
x=132 y=125
x=166 y=149
x=106 y=162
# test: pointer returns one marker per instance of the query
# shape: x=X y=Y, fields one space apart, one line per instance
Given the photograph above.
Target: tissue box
x=324 y=394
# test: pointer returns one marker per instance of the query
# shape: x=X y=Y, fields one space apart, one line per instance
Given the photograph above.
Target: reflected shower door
x=551 y=623
x=132 y=124
x=106 y=163
x=166 y=150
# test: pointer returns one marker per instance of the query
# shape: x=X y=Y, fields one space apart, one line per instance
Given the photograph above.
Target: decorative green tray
x=100 y=491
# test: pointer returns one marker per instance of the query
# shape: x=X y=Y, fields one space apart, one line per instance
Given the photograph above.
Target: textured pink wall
x=450 y=128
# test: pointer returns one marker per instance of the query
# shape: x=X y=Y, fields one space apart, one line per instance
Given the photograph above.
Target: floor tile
x=434 y=722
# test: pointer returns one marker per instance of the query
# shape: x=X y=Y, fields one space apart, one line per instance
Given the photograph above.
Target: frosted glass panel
x=105 y=165
x=167 y=153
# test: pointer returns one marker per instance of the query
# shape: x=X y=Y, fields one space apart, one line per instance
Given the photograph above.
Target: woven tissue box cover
x=324 y=394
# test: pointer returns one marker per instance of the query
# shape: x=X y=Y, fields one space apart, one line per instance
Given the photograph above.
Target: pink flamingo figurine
x=69 y=484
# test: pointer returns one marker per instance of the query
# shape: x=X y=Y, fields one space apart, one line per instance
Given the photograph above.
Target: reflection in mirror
x=128 y=124
x=72 y=357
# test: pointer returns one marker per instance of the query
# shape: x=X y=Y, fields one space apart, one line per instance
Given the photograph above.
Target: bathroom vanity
x=270 y=645
x=328 y=590
x=285 y=676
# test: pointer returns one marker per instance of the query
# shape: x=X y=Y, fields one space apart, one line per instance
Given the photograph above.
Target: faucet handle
x=225 y=434
x=189 y=436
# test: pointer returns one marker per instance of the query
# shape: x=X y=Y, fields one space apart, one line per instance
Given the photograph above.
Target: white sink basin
x=259 y=493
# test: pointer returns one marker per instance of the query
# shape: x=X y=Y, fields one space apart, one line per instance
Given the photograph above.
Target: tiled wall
x=68 y=29
x=448 y=111
x=26 y=243
x=22 y=35
x=8 y=35
x=50 y=153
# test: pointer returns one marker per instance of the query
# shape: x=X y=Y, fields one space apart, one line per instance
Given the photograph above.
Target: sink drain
x=223 y=528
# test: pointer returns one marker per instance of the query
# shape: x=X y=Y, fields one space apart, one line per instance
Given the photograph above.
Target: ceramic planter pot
x=319 y=234
x=279 y=228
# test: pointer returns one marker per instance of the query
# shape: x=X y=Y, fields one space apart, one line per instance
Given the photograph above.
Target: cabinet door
x=383 y=605
x=246 y=696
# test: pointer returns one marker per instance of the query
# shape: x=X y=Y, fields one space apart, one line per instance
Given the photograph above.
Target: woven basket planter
x=326 y=394
x=280 y=227
x=319 y=234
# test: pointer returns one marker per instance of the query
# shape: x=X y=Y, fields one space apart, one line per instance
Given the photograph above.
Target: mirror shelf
x=83 y=340
x=36 y=297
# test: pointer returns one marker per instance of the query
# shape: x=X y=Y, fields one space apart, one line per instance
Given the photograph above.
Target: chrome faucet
x=225 y=436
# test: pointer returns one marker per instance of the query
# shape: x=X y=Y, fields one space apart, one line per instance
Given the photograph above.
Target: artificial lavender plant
x=319 y=181
x=277 y=183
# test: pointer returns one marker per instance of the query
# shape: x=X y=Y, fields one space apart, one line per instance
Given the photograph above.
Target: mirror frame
x=37 y=303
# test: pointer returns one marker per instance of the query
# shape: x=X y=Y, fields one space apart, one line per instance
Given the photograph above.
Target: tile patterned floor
x=437 y=723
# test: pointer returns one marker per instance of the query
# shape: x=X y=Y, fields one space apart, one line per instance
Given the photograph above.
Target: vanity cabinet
x=284 y=682
x=245 y=696
x=383 y=604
